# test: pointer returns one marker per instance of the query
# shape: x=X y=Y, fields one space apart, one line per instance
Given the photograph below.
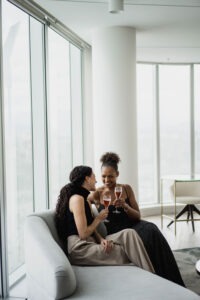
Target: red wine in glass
x=118 y=193
x=106 y=201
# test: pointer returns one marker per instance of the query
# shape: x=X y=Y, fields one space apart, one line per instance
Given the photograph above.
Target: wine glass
x=118 y=193
x=106 y=201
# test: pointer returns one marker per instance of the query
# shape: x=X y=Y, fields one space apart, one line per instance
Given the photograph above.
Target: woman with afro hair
x=155 y=244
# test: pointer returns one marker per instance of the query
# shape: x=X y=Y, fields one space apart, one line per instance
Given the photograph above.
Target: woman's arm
x=106 y=244
x=132 y=210
x=98 y=237
x=94 y=197
x=77 y=207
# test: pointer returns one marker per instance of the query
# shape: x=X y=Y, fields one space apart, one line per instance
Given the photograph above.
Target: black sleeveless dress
x=155 y=243
x=66 y=226
x=71 y=228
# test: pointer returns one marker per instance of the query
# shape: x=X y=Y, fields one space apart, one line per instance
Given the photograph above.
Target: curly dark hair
x=77 y=178
x=110 y=159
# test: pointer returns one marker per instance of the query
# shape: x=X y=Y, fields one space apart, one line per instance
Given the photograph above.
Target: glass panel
x=59 y=114
x=197 y=117
x=174 y=96
x=76 y=97
x=145 y=117
x=39 y=114
x=18 y=138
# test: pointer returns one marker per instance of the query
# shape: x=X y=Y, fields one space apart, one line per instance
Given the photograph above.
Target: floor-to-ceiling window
x=64 y=111
x=174 y=115
x=18 y=129
x=168 y=122
x=59 y=113
x=76 y=99
x=145 y=112
x=42 y=120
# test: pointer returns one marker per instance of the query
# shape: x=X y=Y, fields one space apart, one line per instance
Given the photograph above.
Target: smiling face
x=90 y=182
x=109 y=176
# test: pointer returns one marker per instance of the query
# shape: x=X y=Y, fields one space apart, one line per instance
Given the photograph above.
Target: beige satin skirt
x=128 y=249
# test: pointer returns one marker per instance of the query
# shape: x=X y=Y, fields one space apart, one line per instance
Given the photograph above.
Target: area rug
x=186 y=260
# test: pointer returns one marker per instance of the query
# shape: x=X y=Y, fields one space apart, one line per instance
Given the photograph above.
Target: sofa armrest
x=46 y=263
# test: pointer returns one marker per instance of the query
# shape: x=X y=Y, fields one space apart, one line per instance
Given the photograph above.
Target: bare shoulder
x=76 y=200
x=131 y=196
x=98 y=192
x=76 y=197
x=129 y=190
x=94 y=196
x=128 y=187
x=100 y=189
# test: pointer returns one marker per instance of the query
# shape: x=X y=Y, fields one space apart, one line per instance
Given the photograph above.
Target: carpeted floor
x=186 y=260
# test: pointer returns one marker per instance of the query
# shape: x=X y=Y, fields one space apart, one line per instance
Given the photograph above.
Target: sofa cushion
x=126 y=282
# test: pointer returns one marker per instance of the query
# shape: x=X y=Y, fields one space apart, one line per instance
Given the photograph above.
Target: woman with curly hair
x=77 y=226
x=128 y=216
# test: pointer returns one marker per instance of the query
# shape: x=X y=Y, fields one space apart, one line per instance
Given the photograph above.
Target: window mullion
x=192 y=125
x=3 y=243
x=157 y=134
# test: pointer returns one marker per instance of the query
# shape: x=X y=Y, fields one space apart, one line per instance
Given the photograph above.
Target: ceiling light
x=115 y=6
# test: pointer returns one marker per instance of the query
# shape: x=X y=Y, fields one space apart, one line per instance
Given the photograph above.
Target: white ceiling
x=167 y=30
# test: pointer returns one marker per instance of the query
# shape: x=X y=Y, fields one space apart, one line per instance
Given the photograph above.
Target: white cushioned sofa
x=50 y=276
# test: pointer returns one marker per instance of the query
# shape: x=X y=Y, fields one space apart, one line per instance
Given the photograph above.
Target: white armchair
x=186 y=192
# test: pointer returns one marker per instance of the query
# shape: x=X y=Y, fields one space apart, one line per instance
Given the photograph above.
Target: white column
x=114 y=99
x=88 y=154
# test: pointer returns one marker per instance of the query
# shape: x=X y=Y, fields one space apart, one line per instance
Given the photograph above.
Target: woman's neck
x=85 y=186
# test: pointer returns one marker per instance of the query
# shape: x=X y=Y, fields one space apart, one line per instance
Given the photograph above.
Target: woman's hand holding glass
x=118 y=193
x=103 y=215
x=106 y=201
x=120 y=202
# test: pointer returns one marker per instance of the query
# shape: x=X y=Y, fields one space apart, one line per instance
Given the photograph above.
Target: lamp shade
x=115 y=6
